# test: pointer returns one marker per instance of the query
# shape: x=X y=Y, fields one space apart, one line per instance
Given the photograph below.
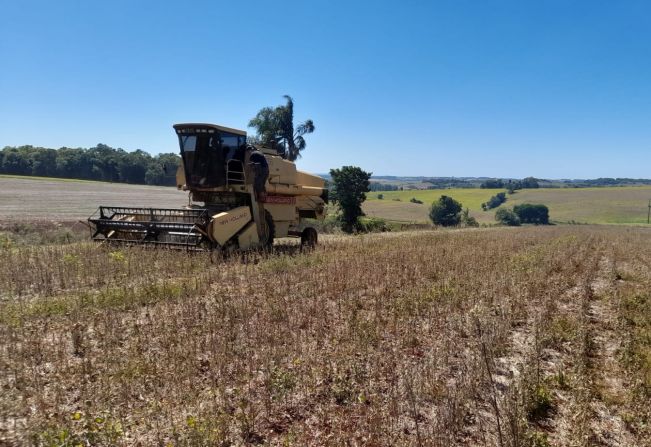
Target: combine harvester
x=236 y=200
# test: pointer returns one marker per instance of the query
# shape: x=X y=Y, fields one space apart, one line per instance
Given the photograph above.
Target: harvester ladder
x=234 y=172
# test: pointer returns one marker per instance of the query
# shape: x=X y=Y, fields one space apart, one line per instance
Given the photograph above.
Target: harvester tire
x=309 y=238
x=271 y=230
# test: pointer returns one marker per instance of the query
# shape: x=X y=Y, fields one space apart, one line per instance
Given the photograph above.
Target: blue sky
x=553 y=89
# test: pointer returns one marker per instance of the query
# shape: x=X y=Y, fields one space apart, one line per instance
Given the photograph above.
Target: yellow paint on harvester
x=224 y=225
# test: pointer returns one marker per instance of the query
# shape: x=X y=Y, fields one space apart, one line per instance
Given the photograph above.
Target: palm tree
x=275 y=126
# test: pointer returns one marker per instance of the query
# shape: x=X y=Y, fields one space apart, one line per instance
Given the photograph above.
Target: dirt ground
x=27 y=200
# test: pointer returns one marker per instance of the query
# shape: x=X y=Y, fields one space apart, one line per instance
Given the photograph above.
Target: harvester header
x=241 y=196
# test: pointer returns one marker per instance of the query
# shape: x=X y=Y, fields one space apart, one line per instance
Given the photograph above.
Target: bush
x=372 y=225
x=535 y=214
x=415 y=200
x=445 y=212
x=507 y=217
x=330 y=225
x=467 y=220
x=494 y=201
x=380 y=196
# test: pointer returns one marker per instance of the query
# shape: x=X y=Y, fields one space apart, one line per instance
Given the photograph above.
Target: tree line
x=511 y=185
x=376 y=186
x=102 y=162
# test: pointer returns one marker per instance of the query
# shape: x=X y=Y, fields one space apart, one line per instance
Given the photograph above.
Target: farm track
x=399 y=339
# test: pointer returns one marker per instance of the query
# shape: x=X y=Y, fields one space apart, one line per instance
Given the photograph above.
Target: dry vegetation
x=524 y=337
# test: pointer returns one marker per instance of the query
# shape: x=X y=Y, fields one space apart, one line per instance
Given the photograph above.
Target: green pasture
x=396 y=205
x=606 y=205
x=469 y=197
x=609 y=205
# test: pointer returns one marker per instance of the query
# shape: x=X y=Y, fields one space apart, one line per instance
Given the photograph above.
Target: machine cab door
x=210 y=153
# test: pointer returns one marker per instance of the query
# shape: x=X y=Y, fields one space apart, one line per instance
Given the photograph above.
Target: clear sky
x=553 y=89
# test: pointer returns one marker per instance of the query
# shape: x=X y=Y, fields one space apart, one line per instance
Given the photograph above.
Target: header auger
x=240 y=197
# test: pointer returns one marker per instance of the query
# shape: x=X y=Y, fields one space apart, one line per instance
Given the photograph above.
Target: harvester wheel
x=309 y=237
x=271 y=230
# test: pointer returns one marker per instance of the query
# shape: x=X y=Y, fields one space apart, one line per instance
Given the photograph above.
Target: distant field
x=403 y=210
x=611 y=205
x=34 y=198
x=608 y=205
x=46 y=179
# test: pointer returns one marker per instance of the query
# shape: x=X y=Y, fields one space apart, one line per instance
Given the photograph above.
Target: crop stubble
x=476 y=337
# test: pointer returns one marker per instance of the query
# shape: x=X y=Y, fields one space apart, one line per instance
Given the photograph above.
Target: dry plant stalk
x=369 y=340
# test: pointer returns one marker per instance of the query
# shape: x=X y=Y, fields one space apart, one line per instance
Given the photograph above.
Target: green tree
x=75 y=163
x=132 y=166
x=492 y=184
x=467 y=220
x=535 y=214
x=16 y=162
x=105 y=162
x=101 y=162
x=529 y=183
x=494 y=201
x=275 y=126
x=445 y=212
x=349 y=187
x=507 y=217
x=44 y=162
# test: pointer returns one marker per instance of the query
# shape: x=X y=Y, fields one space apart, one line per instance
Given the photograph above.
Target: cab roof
x=184 y=126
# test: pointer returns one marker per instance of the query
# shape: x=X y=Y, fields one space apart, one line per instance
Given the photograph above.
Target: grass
x=612 y=205
x=608 y=205
x=469 y=197
x=404 y=211
x=412 y=338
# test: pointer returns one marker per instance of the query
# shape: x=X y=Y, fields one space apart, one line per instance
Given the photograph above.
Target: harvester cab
x=240 y=197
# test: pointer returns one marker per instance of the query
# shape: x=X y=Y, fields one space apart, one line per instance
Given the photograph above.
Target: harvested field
x=397 y=211
x=36 y=199
x=496 y=337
